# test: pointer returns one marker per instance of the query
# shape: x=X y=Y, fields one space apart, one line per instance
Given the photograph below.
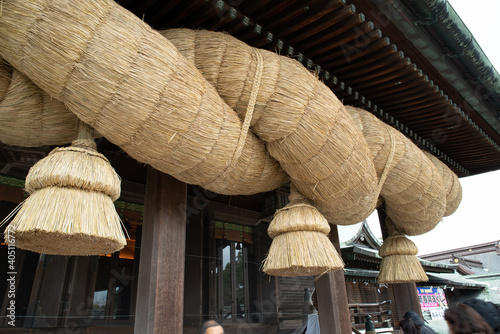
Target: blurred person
x=463 y=319
x=489 y=311
x=419 y=322
x=408 y=326
x=211 y=327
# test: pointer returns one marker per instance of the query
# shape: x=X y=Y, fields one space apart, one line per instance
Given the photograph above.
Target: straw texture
x=130 y=84
x=79 y=166
x=301 y=253
x=68 y=221
x=399 y=262
x=298 y=217
x=29 y=117
x=74 y=167
x=70 y=210
x=401 y=269
x=305 y=126
x=300 y=244
x=5 y=78
x=452 y=185
x=413 y=189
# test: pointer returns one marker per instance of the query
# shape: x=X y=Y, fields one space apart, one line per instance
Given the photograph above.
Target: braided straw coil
x=452 y=185
x=300 y=244
x=29 y=117
x=305 y=126
x=70 y=210
x=129 y=83
x=413 y=189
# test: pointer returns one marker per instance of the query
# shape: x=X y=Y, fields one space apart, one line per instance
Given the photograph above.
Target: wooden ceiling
x=365 y=62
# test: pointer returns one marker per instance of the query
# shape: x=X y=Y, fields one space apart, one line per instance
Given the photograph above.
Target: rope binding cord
x=245 y=128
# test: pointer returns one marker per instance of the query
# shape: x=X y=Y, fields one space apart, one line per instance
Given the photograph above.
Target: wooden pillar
x=47 y=294
x=333 y=307
x=382 y=215
x=160 y=290
x=193 y=294
x=405 y=294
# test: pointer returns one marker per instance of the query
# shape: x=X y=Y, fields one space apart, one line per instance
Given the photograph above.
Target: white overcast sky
x=477 y=219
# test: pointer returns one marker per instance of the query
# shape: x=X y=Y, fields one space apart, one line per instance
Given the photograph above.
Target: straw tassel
x=399 y=261
x=300 y=244
x=70 y=210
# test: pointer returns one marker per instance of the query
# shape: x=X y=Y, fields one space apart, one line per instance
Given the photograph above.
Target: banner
x=433 y=300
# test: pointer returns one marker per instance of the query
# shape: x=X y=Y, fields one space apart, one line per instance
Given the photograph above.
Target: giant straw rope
x=143 y=92
x=452 y=187
x=415 y=201
x=129 y=83
x=29 y=117
x=305 y=126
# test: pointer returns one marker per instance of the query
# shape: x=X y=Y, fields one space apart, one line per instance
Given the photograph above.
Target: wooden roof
x=488 y=247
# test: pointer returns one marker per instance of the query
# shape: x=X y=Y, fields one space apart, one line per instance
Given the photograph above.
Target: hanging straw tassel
x=399 y=262
x=70 y=210
x=300 y=244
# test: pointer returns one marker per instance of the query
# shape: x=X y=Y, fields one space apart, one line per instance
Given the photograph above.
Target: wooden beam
x=193 y=296
x=160 y=290
x=382 y=215
x=79 y=292
x=406 y=299
x=46 y=299
x=11 y=194
x=333 y=307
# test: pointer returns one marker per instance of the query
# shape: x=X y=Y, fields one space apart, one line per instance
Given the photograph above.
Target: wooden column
x=160 y=290
x=47 y=294
x=193 y=296
x=331 y=292
x=405 y=294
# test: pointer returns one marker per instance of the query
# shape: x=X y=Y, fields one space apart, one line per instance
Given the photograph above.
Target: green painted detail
x=233 y=227
x=120 y=205
x=11 y=181
x=135 y=207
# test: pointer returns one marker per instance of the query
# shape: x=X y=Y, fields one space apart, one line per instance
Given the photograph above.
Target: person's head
x=463 y=319
x=489 y=311
x=408 y=326
x=415 y=317
x=211 y=327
